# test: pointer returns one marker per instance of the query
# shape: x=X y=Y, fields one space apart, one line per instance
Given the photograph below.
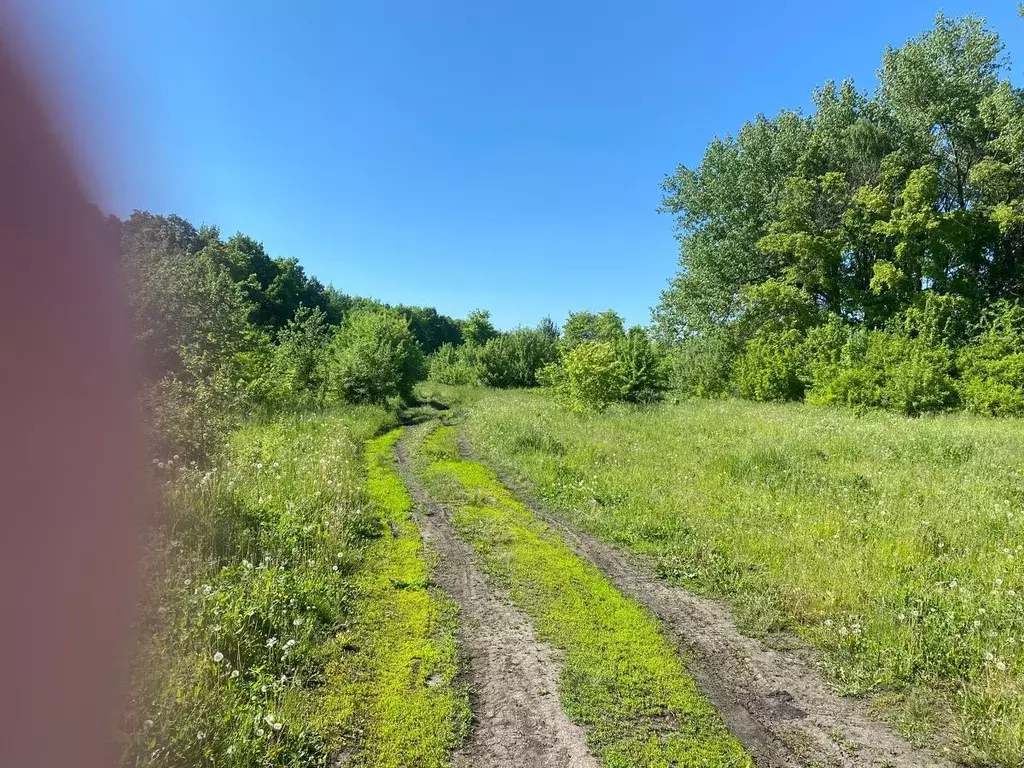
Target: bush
x=769 y=368
x=375 y=358
x=701 y=366
x=878 y=369
x=644 y=378
x=513 y=359
x=455 y=365
x=301 y=360
x=593 y=376
x=993 y=365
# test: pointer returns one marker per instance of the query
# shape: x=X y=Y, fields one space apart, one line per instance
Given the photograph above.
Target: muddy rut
x=774 y=701
x=518 y=717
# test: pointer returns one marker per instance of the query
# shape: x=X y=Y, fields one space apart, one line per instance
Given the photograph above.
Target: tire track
x=518 y=718
x=773 y=701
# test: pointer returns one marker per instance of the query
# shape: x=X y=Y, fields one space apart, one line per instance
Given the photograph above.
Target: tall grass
x=893 y=545
x=250 y=574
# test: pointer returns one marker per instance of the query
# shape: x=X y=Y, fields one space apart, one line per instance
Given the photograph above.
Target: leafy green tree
x=432 y=330
x=375 y=358
x=477 y=329
x=548 y=328
x=301 y=357
x=605 y=326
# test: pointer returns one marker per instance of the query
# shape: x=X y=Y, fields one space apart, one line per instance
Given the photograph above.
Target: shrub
x=375 y=358
x=701 y=365
x=513 y=359
x=593 y=376
x=301 y=359
x=588 y=326
x=769 y=368
x=644 y=378
x=993 y=365
x=878 y=369
x=455 y=365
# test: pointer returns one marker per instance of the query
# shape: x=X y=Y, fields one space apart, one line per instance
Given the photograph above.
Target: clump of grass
x=394 y=696
x=621 y=677
x=892 y=544
x=251 y=576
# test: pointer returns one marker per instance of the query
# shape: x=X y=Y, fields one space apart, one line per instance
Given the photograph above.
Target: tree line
x=869 y=254
x=226 y=332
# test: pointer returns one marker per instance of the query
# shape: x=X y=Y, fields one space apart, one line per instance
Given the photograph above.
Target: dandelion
x=1011 y=592
x=263 y=688
x=207 y=589
x=201 y=735
x=1001 y=666
x=160 y=465
x=271 y=642
x=269 y=720
x=297 y=622
x=335 y=568
x=218 y=657
x=999 y=582
x=844 y=631
x=235 y=673
x=284 y=679
x=277 y=726
x=902 y=617
x=260 y=732
x=289 y=644
x=148 y=724
x=231 y=749
x=954 y=584
x=989 y=656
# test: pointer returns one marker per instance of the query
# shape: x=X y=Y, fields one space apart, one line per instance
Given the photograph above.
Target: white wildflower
x=271 y=642
x=218 y=657
x=235 y=673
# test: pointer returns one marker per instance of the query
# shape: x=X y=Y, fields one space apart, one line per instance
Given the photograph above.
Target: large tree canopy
x=868 y=202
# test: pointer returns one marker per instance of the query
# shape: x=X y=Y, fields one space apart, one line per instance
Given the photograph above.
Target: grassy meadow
x=287 y=603
x=621 y=678
x=891 y=544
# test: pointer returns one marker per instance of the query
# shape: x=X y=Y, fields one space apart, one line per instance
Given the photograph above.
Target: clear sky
x=454 y=154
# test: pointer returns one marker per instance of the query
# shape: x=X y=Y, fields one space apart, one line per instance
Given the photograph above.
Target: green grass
x=286 y=623
x=395 y=696
x=892 y=544
x=621 y=678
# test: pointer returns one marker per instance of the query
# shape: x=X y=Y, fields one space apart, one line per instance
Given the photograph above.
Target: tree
x=477 y=329
x=513 y=359
x=432 y=330
x=375 y=358
x=606 y=326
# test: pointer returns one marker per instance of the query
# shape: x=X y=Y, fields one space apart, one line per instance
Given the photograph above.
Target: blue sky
x=454 y=154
